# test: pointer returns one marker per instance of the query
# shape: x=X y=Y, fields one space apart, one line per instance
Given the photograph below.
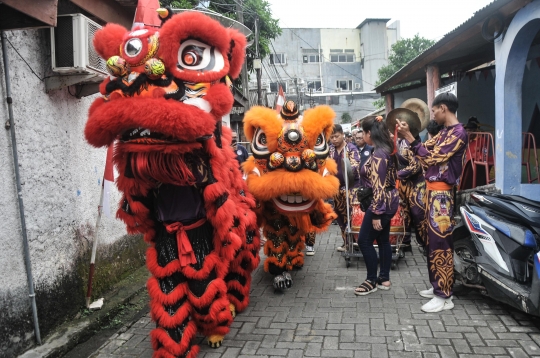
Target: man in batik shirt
x=412 y=189
x=338 y=148
x=443 y=156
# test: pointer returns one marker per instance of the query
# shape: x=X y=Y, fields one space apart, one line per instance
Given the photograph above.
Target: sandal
x=381 y=286
x=365 y=288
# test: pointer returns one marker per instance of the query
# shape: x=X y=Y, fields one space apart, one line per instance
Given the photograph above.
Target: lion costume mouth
x=294 y=203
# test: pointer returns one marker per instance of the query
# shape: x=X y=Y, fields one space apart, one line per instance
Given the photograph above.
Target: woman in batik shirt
x=378 y=173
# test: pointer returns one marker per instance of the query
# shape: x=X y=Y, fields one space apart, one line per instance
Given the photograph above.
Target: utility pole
x=245 y=85
x=257 y=63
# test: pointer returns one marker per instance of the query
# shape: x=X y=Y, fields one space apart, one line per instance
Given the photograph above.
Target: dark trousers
x=366 y=237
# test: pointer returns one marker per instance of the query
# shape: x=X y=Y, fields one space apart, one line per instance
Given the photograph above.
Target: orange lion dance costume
x=289 y=175
x=180 y=180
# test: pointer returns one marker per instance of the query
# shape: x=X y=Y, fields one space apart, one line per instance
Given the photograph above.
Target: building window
x=278 y=59
x=344 y=85
x=274 y=87
x=342 y=57
x=311 y=59
x=315 y=86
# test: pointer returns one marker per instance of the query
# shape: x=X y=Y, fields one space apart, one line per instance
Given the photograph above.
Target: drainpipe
x=11 y=127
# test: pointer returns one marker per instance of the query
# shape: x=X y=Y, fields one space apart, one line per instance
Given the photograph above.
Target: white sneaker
x=310 y=251
x=438 y=304
x=342 y=248
x=427 y=293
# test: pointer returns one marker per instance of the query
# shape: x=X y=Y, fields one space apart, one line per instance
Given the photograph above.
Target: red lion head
x=167 y=87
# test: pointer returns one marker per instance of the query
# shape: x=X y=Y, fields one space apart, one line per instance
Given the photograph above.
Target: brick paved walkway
x=321 y=317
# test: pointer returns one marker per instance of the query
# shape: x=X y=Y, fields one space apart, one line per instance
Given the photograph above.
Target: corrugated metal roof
x=471 y=51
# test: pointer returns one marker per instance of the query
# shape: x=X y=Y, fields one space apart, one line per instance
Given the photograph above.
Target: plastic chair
x=529 y=147
x=480 y=154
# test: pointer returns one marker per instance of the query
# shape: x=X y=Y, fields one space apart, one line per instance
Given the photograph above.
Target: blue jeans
x=365 y=241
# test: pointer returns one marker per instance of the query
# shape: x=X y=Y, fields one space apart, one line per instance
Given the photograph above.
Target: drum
x=397 y=224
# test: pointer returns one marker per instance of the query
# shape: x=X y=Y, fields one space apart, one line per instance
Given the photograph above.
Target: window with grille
x=342 y=57
x=274 y=87
x=311 y=59
x=314 y=85
x=344 y=85
x=278 y=59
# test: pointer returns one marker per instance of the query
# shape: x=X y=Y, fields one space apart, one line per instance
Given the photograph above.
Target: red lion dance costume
x=180 y=180
x=289 y=175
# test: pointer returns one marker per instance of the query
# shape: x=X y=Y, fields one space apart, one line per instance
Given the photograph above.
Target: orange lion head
x=289 y=167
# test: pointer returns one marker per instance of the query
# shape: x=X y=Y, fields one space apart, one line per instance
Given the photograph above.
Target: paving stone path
x=321 y=317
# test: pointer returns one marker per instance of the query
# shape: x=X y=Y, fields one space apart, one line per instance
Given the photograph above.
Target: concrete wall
x=393 y=34
x=298 y=42
x=374 y=44
x=476 y=98
x=292 y=42
x=61 y=181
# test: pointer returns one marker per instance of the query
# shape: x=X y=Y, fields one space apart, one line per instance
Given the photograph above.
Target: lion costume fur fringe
x=281 y=168
x=181 y=183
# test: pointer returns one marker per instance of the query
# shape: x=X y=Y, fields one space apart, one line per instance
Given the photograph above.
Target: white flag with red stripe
x=108 y=182
x=280 y=99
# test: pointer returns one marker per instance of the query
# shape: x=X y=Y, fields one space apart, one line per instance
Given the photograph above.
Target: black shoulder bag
x=365 y=197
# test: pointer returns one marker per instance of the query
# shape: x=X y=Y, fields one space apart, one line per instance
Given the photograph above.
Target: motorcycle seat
x=525 y=201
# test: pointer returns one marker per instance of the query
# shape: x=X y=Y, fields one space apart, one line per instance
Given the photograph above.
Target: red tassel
x=185 y=251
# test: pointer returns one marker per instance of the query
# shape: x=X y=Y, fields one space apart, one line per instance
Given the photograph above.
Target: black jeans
x=365 y=241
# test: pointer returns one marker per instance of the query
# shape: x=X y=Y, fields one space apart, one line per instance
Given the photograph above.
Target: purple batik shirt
x=379 y=173
x=443 y=155
x=354 y=159
x=410 y=166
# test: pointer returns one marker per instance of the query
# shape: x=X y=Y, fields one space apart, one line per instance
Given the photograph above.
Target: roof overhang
x=24 y=14
x=460 y=50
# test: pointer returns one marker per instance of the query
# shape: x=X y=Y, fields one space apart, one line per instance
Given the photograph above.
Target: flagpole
x=103 y=207
x=94 y=248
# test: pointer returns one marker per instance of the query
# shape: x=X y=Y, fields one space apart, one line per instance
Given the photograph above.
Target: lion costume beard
x=180 y=180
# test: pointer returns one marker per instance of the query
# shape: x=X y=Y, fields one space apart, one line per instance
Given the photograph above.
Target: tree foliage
x=346 y=118
x=403 y=52
x=252 y=9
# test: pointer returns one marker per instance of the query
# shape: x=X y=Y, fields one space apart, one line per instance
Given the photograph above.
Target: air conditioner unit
x=292 y=90
x=338 y=89
x=357 y=86
x=72 y=47
x=264 y=83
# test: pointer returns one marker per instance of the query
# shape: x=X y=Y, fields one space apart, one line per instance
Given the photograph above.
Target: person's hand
x=404 y=130
x=377 y=224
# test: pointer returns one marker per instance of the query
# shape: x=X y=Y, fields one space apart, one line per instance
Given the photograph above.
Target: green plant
x=403 y=52
x=346 y=118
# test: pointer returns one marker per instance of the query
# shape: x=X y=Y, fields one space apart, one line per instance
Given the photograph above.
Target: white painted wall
x=340 y=39
x=374 y=50
x=61 y=173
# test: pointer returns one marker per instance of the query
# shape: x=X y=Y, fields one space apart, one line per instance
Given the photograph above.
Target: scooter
x=497 y=249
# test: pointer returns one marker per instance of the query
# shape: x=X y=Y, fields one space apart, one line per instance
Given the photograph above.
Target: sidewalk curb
x=77 y=331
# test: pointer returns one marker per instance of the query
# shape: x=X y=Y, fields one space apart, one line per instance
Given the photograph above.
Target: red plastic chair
x=480 y=154
x=529 y=147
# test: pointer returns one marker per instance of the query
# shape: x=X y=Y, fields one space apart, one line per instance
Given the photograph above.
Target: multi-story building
x=330 y=66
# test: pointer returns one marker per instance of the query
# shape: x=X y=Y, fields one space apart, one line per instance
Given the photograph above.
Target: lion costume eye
x=259 y=145
x=133 y=47
x=321 y=147
x=197 y=56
